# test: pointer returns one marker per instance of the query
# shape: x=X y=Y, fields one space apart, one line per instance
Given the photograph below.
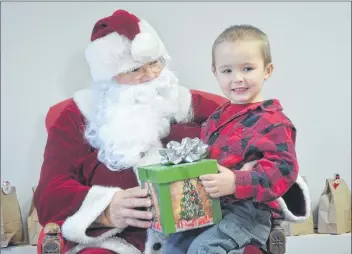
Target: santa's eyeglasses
x=154 y=67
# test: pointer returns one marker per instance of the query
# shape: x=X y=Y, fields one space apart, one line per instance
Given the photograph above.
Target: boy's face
x=240 y=70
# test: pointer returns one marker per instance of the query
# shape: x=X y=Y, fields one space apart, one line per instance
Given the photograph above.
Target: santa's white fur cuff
x=289 y=216
x=96 y=201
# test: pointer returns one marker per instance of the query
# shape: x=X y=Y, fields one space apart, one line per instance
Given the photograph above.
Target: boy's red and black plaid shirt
x=260 y=132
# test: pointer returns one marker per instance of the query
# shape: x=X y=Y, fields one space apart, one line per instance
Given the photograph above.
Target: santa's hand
x=221 y=184
x=122 y=210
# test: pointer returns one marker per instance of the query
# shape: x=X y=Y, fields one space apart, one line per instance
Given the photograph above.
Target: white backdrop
x=42 y=63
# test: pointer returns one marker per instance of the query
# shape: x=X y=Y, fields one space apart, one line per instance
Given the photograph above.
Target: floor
x=309 y=244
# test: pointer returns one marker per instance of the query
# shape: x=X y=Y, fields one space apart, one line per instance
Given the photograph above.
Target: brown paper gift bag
x=334 y=214
x=300 y=228
x=34 y=226
x=11 y=220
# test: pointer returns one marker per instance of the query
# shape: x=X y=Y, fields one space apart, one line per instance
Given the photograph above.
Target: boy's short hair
x=244 y=32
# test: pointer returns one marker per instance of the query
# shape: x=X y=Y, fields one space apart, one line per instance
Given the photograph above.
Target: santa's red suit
x=99 y=140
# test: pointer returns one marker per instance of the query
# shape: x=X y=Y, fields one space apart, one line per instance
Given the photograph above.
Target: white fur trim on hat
x=114 y=53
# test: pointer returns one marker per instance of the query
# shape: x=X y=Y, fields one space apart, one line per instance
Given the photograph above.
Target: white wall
x=42 y=62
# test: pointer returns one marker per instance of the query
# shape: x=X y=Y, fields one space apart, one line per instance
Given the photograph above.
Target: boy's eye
x=227 y=71
x=246 y=69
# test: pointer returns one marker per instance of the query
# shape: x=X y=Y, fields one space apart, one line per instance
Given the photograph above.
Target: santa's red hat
x=120 y=43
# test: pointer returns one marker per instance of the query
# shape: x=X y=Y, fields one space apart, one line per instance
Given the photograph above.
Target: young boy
x=247 y=128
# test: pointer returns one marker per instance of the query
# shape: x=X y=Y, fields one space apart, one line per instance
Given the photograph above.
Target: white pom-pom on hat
x=145 y=47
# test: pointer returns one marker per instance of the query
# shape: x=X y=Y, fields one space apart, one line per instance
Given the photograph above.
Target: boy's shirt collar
x=266 y=105
x=271 y=105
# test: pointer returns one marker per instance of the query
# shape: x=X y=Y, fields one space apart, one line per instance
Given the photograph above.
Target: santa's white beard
x=130 y=120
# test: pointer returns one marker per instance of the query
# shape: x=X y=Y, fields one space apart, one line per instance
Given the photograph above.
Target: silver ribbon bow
x=189 y=150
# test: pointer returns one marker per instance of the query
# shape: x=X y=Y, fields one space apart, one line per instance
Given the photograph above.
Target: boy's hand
x=221 y=184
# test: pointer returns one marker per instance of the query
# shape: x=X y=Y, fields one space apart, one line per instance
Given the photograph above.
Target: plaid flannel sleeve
x=275 y=172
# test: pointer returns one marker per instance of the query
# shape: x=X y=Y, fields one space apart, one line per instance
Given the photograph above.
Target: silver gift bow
x=189 y=150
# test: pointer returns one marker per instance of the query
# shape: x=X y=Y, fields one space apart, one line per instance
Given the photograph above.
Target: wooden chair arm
x=277 y=238
x=50 y=240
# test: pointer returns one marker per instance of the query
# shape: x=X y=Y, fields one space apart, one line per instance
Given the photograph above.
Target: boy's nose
x=237 y=78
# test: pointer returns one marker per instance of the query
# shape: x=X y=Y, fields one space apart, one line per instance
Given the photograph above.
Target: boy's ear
x=268 y=71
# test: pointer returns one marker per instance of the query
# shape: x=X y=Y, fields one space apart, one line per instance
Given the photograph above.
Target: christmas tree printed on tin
x=191 y=204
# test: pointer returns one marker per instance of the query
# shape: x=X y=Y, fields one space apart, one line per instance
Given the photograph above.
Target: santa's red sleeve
x=61 y=195
x=203 y=106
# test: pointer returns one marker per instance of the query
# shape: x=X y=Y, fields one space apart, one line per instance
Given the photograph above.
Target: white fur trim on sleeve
x=97 y=200
x=289 y=216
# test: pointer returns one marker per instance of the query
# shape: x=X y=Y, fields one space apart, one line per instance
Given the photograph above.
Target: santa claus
x=88 y=185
